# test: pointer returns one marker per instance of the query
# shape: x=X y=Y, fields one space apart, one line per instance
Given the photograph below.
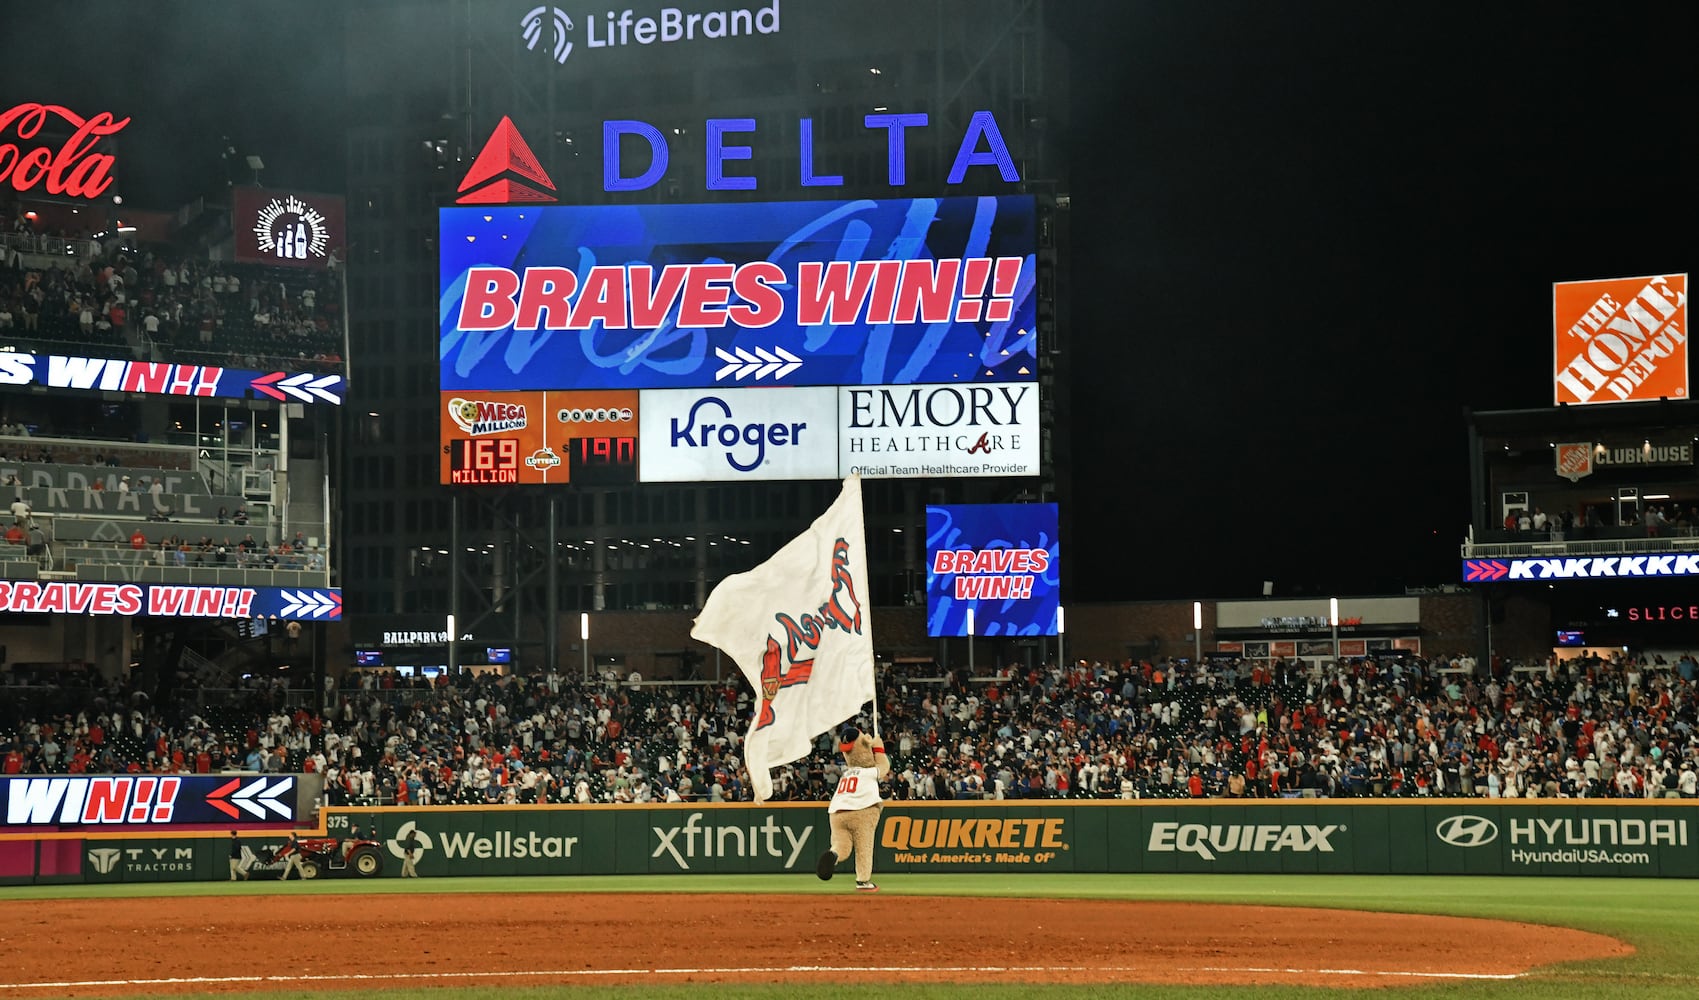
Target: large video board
x=1000 y=561
x=892 y=292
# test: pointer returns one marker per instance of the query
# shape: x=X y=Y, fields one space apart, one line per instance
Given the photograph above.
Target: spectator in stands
x=240 y=518
x=37 y=544
x=14 y=534
x=138 y=541
x=21 y=511
x=123 y=484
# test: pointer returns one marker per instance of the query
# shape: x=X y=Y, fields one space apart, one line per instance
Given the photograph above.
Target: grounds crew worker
x=410 y=854
x=236 y=869
x=290 y=852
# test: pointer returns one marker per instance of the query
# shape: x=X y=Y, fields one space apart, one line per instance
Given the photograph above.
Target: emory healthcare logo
x=290 y=229
x=104 y=858
x=1467 y=831
x=627 y=27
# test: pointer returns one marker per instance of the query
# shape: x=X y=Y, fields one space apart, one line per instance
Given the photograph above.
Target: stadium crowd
x=1164 y=729
x=125 y=301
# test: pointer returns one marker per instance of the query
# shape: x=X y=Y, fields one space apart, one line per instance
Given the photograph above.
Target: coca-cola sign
x=73 y=169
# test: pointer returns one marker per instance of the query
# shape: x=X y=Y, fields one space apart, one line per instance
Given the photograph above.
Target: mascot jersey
x=857 y=789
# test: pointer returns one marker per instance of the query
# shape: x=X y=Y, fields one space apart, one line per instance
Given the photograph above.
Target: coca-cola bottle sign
x=73 y=169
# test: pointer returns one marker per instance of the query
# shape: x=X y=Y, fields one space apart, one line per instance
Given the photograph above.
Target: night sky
x=1304 y=238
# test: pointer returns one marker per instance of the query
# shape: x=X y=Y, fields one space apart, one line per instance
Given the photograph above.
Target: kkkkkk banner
x=1620 y=340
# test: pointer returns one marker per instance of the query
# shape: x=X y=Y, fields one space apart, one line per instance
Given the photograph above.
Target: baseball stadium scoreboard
x=617 y=344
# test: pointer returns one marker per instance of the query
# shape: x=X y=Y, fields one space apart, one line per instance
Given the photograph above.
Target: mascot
x=855 y=807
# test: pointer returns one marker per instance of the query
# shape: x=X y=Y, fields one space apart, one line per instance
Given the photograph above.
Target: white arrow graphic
x=248 y=791
x=295 y=385
x=268 y=799
x=305 y=603
x=740 y=365
x=320 y=386
x=792 y=363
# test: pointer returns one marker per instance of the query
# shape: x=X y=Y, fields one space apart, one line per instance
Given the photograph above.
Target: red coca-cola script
x=72 y=169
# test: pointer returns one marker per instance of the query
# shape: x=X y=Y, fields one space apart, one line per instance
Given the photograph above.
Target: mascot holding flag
x=855 y=807
x=797 y=628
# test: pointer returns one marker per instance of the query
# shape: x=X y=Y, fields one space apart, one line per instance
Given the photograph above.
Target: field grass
x=1657 y=917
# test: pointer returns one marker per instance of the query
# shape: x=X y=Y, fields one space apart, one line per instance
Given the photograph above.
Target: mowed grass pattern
x=1659 y=918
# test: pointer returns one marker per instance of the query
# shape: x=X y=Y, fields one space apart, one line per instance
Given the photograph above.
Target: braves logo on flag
x=834 y=614
x=811 y=670
x=1575 y=460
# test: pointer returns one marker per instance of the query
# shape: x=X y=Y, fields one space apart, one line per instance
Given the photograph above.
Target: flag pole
x=876 y=697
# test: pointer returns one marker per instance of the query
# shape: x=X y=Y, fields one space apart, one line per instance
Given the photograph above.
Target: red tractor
x=328 y=856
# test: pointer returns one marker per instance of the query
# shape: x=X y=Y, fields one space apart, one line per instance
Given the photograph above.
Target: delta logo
x=478 y=416
x=506 y=172
x=543 y=458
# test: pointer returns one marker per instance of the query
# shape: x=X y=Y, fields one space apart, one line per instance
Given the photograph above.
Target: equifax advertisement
x=160 y=600
x=897 y=291
x=998 y=563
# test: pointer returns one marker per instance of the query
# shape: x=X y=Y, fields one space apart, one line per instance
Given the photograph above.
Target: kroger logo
x=1467 y=831
x=710 y=425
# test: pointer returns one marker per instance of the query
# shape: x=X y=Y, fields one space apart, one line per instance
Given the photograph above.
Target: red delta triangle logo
x=783 y=668
x=505 y=153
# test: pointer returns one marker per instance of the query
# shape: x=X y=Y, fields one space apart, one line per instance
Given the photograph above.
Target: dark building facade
x=427 y=85
x=1592 y=511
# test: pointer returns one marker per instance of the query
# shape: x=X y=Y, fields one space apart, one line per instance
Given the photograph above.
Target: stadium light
x=970 y=642
x=584 y=635
x=1197 y=631
x=1061 y=632
x=453 y=635
x=1333 y=619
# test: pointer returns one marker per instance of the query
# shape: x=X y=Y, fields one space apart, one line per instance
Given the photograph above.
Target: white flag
x=799 y=630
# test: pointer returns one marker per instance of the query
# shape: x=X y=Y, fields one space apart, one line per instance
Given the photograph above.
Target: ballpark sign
x=1620 y=340
x=1579 y=568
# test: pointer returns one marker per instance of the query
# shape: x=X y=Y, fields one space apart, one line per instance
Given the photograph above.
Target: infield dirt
x=248 y=943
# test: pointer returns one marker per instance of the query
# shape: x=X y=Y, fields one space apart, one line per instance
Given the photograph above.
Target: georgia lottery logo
x=543 y=458
x=479 y=416
x=290 y=229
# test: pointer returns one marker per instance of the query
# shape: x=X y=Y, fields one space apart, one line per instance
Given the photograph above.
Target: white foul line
x=731 y=970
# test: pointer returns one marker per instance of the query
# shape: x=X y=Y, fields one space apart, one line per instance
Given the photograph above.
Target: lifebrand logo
x=1209 y=841
x=708 y=841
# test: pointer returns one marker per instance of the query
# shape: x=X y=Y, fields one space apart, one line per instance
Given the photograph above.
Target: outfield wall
x=1438 y=837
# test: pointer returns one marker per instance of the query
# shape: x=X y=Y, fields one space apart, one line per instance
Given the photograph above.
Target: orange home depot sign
x=1620 y=340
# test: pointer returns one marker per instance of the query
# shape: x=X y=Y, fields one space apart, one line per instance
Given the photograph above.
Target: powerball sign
x=999 y=560
x=892 y=292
